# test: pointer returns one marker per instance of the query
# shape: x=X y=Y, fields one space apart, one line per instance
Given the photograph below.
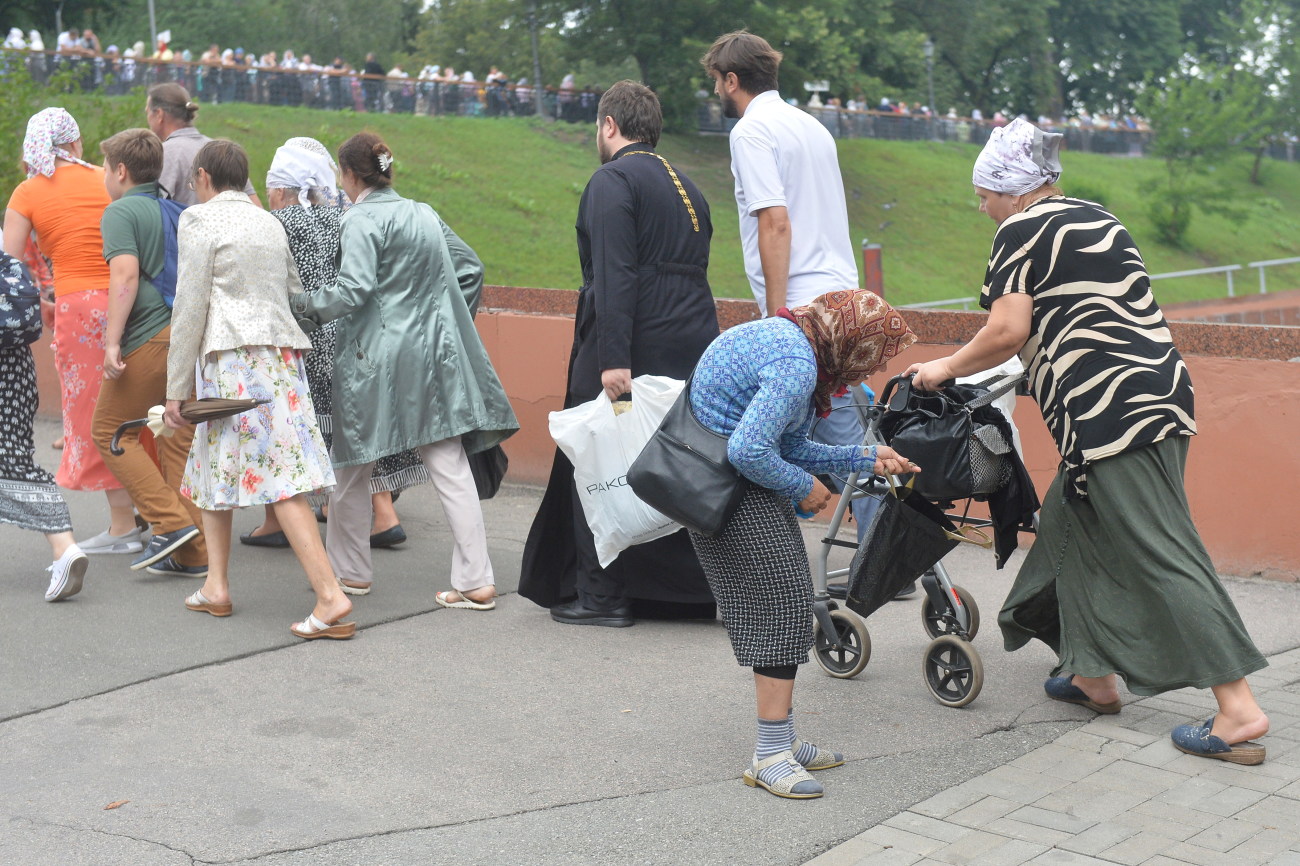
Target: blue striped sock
x=807 y=751
x=774 y=737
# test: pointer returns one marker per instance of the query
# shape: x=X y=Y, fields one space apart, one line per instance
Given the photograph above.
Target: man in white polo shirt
x=794 y=223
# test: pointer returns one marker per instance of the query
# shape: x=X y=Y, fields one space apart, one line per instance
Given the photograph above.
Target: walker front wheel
x=937 y=623
x=953 y=671
x=846 y=660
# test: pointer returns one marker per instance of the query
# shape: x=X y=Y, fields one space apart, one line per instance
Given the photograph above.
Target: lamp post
x=537 y=61
x=929 y=69
x=153 y=30
x=929 y=78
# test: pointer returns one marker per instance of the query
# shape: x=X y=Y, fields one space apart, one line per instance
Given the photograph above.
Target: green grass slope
x=510 y=188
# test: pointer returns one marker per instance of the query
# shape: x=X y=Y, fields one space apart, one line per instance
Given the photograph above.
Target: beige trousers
x=348 y=538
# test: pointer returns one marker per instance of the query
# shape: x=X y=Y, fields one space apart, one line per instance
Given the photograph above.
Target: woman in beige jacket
x=234 y=337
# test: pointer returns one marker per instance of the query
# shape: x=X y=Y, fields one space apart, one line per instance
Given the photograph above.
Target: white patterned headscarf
x=305 y=164
x=47 y=130
x=1018 y=158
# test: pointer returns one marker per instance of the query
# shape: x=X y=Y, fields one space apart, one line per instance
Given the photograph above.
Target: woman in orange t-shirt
x=62 y=200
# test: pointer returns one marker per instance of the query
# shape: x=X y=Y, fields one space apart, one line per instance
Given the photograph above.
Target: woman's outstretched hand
x=890 y=461
x=931 y=375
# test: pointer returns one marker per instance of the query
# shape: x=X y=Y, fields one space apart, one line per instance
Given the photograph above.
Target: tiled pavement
x=1114 y=791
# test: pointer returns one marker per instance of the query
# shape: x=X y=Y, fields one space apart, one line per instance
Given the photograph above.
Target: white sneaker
x=131 y=541
x=66 y=574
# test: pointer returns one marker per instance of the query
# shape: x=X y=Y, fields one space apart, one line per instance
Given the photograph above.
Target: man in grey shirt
x=170 y=115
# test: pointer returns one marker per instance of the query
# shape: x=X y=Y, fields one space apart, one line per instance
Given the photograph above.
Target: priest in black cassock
x=645 y=307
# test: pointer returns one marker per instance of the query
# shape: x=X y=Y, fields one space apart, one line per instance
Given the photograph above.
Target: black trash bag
x=488 y=468
x=906 y=537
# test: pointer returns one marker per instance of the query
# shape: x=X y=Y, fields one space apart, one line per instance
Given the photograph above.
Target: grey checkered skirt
x=757 y=567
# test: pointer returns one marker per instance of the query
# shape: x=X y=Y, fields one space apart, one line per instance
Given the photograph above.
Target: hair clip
x=385 y=161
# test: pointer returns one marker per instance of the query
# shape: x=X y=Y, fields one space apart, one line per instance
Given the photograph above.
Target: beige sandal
x=198 y=601
x=312 y=628
x=465 y=602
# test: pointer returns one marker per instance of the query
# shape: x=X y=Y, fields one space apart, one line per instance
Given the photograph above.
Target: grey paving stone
x=1274 y=812
x=1291 y=791
x=1137 y=848
x=1196 y=819
x=1185 y=853
x=890 y=857
x=1026 y=832
x=1191 y=792
x=849 y=853
x=943 y=804
x=1090 y=801
x=1162 y=754
x=1057 y=857
x=1242 y=777
x=1117 y=749
x=1098 y=838
x=1144 y=781
x=1014 y=783
x=980 y=813
x=988 y=849
x=1107 y=729
x=1161 y=824
x=924 y=825
x=1052 y=820
x=893 y=837
x=1226 y=835
x=1159 y=724
x=1265 y=845
x=1083 y=741
x=1288 y=858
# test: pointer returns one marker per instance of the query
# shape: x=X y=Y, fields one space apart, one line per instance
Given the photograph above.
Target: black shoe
x=573 y=613
x=906 y=592
x=389 y=537
x=271 y=539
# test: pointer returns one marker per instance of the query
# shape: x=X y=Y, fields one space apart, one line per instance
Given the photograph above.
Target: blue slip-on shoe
x=1061 y=689
x=1197 y=740
x=162 y=545
x=169 y=567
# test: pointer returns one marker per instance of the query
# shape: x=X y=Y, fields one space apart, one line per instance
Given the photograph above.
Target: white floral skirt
x=264 y=455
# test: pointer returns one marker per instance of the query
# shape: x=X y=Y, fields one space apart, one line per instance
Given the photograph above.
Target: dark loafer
x=574 y=613
x=1197 y=740
x=1061 y=689
x=271 y=539
x=389 y=537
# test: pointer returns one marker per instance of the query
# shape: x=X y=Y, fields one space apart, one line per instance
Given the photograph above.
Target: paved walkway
x=1114 y=791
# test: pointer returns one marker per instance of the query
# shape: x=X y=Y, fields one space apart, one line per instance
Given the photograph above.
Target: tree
x=478 y=34
x=1201 y=116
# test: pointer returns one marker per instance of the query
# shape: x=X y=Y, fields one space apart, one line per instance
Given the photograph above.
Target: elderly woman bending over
x=760 y=384
x=1118 y=582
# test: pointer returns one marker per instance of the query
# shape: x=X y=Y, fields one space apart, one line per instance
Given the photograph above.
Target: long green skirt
x=1120 y=582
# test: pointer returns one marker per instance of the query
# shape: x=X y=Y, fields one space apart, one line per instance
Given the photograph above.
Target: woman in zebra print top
x=1118 y=581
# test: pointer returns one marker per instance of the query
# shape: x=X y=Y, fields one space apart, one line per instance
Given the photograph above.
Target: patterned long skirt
x=80 y=320
x=28 y=497
x=264 y=455
x=757 y=567
x=391 y=474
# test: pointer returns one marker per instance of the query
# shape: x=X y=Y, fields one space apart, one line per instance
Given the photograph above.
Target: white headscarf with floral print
x=1018 y=158
x=46 y=131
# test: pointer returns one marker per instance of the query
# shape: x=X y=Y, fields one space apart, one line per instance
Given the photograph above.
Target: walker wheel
x=952 y=670
x=938 y=623
x=854 y=651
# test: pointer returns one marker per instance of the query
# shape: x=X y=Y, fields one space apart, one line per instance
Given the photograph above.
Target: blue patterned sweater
x=755 y=383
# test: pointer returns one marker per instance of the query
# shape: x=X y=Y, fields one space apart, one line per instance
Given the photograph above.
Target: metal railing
x=1228 y=270
x=965 y=304
x=1271 y=263
x=324 y=88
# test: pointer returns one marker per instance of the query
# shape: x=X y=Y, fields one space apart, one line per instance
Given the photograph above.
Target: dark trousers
x=597 y=588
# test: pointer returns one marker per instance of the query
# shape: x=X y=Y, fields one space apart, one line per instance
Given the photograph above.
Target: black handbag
x=488 y=468
x=960 y=457
x=20 y=305
x=683 y=471
x=906 y=537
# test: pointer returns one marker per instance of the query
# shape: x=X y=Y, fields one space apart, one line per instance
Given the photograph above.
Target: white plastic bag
x=601 y=446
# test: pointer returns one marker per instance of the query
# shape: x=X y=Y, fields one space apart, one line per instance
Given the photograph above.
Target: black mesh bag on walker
x=907 y=535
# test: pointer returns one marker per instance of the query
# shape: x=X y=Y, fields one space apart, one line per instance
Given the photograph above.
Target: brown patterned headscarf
x=853 y=334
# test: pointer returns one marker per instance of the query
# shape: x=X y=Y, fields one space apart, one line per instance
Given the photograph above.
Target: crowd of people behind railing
x=286 y=79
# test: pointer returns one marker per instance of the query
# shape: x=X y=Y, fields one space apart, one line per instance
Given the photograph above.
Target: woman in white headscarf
x=303 y=196
x=62 y=201
x=1118 y=581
